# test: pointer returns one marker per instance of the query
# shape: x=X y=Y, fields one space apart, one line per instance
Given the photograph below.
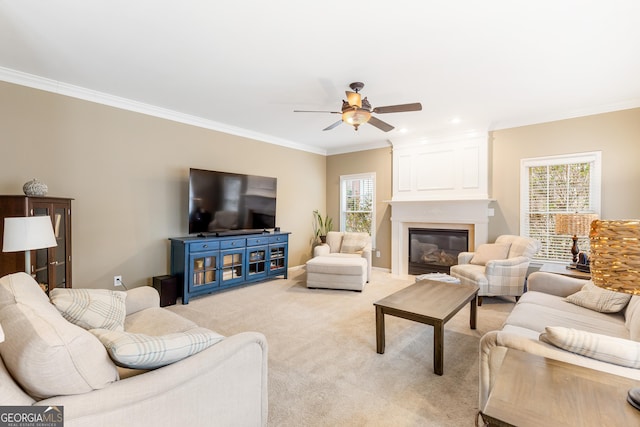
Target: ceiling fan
x=357 y=110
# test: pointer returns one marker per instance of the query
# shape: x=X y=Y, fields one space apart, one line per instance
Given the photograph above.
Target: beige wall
x=128 y=174
x=616 y=134
x=379 y=161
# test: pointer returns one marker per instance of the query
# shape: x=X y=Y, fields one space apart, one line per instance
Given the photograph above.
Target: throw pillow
x=490 y=251
x=598 y=299
x=140 y=351
x=91 y=308
x=618 y=351
x=44 y=353
x=354 y=243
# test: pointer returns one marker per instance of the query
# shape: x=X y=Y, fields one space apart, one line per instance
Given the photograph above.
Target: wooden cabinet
x=51 y=267
x=208 y=264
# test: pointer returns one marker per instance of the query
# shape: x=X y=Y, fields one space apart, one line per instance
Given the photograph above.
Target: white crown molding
x=354 y=148
x=553 y=117
x=54 y=86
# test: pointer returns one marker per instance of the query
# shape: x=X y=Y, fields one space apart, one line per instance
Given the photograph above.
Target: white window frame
x=595 y=183
x=343 y=201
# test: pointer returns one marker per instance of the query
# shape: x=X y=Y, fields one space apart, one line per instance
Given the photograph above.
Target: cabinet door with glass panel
x=233 y=266
x=51 y=267
x=205 y=270
x=257 y=262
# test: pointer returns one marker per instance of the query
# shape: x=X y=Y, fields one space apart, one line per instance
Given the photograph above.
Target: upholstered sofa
x=49 y=361
x=591 y=337
x=342 y=262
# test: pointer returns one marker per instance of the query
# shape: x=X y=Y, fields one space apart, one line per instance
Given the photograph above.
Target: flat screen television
x=224 y=202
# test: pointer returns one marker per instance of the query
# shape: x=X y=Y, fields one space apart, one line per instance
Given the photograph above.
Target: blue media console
x=209 y=264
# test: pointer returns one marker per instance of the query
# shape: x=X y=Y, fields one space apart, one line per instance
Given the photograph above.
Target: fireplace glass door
x=433 y=250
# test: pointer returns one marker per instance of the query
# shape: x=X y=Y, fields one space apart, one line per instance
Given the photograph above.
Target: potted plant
x=322 y=225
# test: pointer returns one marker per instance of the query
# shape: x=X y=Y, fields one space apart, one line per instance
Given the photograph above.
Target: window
x=558 y=184
x=357 y=202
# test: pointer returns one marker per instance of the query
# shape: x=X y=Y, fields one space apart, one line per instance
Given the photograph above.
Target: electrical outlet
x=117 y=280
x=377 y=254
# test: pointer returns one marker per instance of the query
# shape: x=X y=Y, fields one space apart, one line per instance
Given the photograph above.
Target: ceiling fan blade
x=316 y=111
x=333 y=125
x=383 y=126
x=398 y=108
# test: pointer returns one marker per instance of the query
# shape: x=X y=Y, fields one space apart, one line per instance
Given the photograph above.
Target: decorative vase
x=35 y=188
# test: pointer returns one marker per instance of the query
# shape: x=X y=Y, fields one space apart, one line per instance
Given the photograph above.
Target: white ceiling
x=243 y=66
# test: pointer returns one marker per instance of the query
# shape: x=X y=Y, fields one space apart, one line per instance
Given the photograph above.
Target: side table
x=531 y=390
x=564 y=270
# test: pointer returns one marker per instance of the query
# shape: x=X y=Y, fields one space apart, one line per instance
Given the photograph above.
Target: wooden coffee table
x=429 y=302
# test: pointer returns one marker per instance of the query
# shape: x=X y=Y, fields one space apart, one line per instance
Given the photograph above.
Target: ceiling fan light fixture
x=354 y=99
x=356 y=117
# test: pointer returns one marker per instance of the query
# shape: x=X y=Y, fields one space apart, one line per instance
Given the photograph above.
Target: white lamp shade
x=28 y=233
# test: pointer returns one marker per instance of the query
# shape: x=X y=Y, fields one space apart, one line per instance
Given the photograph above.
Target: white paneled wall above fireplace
x=439 y=184
x=447 y=170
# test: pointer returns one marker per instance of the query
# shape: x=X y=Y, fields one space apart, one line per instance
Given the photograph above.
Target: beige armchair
x=343 y=262
x=498 y=268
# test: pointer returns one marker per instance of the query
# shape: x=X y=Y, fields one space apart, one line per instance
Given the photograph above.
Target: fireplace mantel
x=439 y=184
x=468 y=214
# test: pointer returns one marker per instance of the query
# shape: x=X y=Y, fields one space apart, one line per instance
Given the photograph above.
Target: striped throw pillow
x=598 y=299
x=618 y=351
x=141 y=351
x=91 y=308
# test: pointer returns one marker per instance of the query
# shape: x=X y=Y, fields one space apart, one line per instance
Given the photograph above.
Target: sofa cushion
x=354 y=243
x=598 y=299
x=537 y=310
x=140 y=351
x=44 y=353
x=596 y=346
x=91 y=308
x=490 y=251
x=157 y=321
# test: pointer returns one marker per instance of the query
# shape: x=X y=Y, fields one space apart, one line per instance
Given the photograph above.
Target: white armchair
x=498 y=268
x=336 y=246
x=343 y=262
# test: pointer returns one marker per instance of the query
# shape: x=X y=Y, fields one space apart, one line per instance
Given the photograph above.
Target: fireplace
x=469 y=215
x=435 y=250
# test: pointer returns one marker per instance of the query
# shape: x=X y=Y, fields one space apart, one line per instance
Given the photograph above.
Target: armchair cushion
x=334 y=240
x=91 y=308
x=609 y=349
x=598 y=299
x=354 y=243
x=520 y=246
x=141 y=351
x=490 y=251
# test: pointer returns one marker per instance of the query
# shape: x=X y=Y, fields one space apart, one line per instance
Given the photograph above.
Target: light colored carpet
x=323 y=365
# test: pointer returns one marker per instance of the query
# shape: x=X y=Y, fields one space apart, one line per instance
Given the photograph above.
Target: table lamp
x=26 y=234
x=576 y=225
x=615 y=264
